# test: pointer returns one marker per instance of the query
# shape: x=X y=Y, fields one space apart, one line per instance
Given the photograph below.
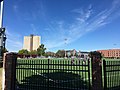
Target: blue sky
x=85 y=24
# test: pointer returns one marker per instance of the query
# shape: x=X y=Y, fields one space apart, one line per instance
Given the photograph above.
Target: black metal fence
x=49 y=74
x=111 y=75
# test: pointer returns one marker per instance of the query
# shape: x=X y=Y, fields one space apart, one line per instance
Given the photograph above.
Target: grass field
x=0 y=78
x=113 y=73
x=61 y=72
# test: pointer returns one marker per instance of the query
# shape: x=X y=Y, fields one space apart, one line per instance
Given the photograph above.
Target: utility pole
x=2 y=31
x=65 y=44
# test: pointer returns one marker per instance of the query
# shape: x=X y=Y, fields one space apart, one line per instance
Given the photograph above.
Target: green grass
x=59 y=70
x=106 y=59
x=113 y=76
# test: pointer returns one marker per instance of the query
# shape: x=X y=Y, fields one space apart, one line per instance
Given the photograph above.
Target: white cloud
x=15 y=8
x=84 y=14
x=83 y=24
x=13 y=41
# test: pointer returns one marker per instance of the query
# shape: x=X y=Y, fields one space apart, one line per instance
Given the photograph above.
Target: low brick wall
x=96 y=71
x=9 y=72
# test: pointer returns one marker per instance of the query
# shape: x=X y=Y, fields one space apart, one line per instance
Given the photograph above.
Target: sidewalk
x=0 y=78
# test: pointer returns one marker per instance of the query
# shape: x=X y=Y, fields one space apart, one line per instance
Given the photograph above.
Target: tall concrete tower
x=31 y=42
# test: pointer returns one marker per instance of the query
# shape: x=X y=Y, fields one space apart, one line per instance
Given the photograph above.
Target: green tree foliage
x=52 y=54
x=23 y=51
x=95 y=53
x=33 y=52
x=41 y=50
x=60 y=53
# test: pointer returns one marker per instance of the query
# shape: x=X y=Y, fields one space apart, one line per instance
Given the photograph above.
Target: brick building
x=110 y=53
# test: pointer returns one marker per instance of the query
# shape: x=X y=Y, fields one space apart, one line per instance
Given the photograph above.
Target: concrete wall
x=26 y=44
x=35 y=43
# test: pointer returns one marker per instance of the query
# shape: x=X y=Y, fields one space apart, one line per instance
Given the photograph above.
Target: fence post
x=48 y=74
x=105 y=78
x=96 y=71
x=9 y=71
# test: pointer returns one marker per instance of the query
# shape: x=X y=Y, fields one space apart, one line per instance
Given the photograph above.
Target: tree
x=41 y=50
x=60 y=53
x=33 y=52
x=95 y=53
x=52 y=54
x=23 y=51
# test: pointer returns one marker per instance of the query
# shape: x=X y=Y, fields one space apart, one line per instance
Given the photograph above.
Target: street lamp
x=1 y=13
x=65 y=44
x=2 y=31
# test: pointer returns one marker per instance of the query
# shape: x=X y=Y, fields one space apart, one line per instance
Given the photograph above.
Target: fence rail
x=60 y=74
x=52 y=74
x=111 y=75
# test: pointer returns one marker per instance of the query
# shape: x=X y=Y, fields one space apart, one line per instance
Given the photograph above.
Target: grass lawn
x=0 y=78
x=32 y=71
x=59 y=72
